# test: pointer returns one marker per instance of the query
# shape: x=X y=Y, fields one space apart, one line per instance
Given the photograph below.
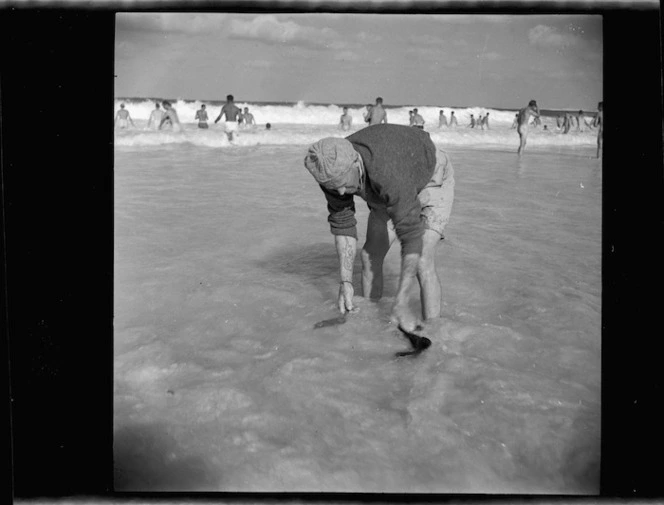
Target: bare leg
x=380 y=237
x=430 y=286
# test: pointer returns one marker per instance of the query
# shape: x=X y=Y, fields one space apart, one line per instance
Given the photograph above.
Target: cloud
x=426 y=40
x=549 y=37
x=170 y=22
x=269 y=29
x=493 y=56
x=347 y=56
x=459 y=19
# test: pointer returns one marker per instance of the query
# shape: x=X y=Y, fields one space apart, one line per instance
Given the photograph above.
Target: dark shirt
x=399 y=161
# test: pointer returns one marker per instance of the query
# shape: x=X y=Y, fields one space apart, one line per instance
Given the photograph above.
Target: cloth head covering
x=329 y=160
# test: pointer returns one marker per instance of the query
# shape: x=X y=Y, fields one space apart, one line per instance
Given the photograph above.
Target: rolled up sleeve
x=341 y=216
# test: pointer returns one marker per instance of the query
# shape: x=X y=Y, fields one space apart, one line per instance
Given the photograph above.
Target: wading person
x=408 y=184
x=523 y=118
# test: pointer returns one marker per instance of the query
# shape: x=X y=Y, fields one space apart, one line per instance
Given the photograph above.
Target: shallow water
x=224 y=263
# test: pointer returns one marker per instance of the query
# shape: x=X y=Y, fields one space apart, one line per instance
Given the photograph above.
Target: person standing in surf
x=232 y=113
x=155 y=117
x=408 y=184
x=599 y=124
x=377 y=115
x=453 y=120
x=202 y=117
x=367 y=114
x=248 y=118
x=442 y=120
x=472 y=121
x=523 y=119
x=122 y=118
x=418 y=120
x=170 y=116
x=346 y=120
x=485 y=121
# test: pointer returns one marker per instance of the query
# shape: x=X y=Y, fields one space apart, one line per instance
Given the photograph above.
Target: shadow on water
x=147 y=458
x=315 y=264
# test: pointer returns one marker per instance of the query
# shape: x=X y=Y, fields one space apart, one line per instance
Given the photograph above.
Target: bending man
x=408 y=185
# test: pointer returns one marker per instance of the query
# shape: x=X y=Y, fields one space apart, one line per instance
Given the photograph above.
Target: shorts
x=202 y=125
x=123 y=123
x=231 y=126
x=436 y=198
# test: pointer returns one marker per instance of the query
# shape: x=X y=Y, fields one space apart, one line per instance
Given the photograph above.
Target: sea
x=224 y=263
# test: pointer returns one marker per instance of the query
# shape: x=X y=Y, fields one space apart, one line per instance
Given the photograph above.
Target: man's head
x=345 y=109
x=452 y=113
x=156 y=105
x=414 y=111
x=379 y=101
x=203 y=106
x=166 y=104
x=229 y=98
x=246 y=109
x=335 y=165
x=532 y=103
x=122 y=106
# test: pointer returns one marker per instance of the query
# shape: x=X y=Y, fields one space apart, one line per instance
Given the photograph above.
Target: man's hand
x=403 y=317
x=345 y=301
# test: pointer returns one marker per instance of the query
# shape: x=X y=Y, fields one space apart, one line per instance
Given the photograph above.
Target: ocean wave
x=302 y=113
x=304 y=134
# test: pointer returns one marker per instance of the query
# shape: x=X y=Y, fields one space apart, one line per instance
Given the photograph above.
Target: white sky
x=463 y=60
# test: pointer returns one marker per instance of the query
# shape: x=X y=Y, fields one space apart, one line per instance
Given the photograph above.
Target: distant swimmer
x=472 y=121
x=248 y=117
x=515 y=123
x=232 y=113
x=202 y=117
x=537 y=122
x=567 y=122
x=486 y=121
x=480 y=122
x=559 y=121
x=411 y=118
x=378 y=114
x=268 y=126
x=122 y=118
x=418 y=121
x=155 y=117
x=523 y=118
x=453 y=119
x=599 y=124
x=578 y=117
x=442 y=120
x=346 y=120
x=367 y=114
x=170 y=115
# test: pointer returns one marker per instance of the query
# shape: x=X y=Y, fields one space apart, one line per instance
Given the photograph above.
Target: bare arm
x=221 y=113
x=401 y=315
x=164 y=117
x=346 y=249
